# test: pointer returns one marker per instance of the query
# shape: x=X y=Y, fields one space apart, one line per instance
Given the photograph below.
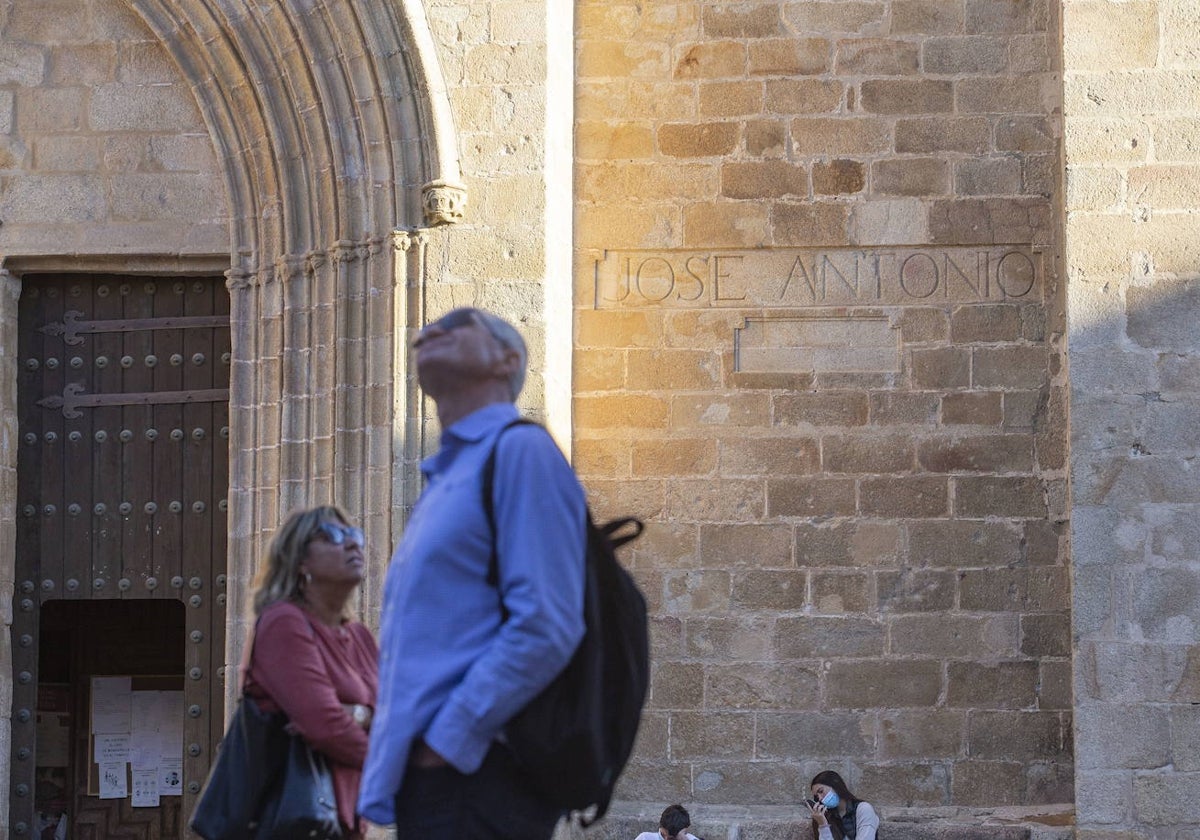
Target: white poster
x=111 y=749
x=145 y=788
x=110 y=704
x=170 y=778
x=113 y=782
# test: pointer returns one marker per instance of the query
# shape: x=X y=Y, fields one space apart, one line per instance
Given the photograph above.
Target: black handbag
x=248 y=764
x=302 y=804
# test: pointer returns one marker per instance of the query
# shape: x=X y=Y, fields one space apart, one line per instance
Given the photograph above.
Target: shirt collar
x=473 y=428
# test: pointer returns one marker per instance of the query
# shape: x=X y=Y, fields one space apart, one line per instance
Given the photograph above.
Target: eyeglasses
x=450 y=321
x=337 y=534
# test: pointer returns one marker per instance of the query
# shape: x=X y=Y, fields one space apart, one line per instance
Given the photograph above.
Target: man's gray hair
x=509 y=339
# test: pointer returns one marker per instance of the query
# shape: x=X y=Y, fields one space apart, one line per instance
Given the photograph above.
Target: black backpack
x=576 y=736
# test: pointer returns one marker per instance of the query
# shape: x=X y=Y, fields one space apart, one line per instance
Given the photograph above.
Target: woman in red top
x=308 y=659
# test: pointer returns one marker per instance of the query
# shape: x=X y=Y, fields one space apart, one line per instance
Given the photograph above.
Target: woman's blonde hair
x=279 y=578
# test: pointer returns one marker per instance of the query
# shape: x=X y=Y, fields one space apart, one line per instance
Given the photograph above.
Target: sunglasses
x=337 y=534
x=449 y=321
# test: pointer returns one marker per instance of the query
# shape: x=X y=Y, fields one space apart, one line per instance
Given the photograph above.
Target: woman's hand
x=818 y=813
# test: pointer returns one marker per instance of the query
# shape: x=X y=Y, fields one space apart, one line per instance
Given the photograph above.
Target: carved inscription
x=786 y=277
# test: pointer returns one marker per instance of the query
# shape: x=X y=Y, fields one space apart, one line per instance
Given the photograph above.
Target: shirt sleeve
x=866 y=822
x=289 y=668
x=824 y=832
x=540 y=513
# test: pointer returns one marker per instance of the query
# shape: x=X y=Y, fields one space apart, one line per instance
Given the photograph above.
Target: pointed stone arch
x=333 y=129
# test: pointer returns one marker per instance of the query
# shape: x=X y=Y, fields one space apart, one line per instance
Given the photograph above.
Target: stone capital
x=444 y=202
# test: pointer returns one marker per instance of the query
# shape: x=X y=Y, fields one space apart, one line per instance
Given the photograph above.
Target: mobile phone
x=811 y=803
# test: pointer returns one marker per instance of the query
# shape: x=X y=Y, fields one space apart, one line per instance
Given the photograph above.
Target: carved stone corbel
x=444 y=202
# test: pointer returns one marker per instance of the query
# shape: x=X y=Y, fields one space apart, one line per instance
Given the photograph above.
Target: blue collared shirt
x=451 y=671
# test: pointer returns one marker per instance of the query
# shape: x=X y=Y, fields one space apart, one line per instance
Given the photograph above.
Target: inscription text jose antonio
x=780 y=277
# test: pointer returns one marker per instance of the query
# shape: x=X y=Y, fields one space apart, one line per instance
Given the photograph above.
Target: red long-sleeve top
x=308 y=670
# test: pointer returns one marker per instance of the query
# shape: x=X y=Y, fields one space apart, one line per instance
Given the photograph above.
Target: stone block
x=908 y=783
x=954 y=636
x=904 y=497
x=1037 y=589
x=617 y=225
x=836 y=593
x=988 y=176
x=720 y=59
x=129 y=107
x=656 y=779
x=665 y=545
x=603 y=141
x=1025 y=133
x=1161 y=316
x=1164 y=603
x=838 y=136
x=695 y=592
x=166 y=196
x=741 y=21
x=1055 y=686
x=785 y=735
x=676 y=685
x=625 y=411
x=975 y=54
x=726 y=546
x=972 y=408
x=979 y=453
x=926 y=17
x=1046 y=635
x=821 y=223
x=1106 y=798
x=985 y=323
x=711 y=139
x=920 y=325
x=803 y=96
x=1102 y=37
x=754 y=783
x=735 y=411
x=23 y=65
x=1015 y=496
x=821 y=409
x=807 y=497
x=660 y=100
x=838 y=177
x=887 y=683
x=740 y=639
x=764 y=179
x=607 y=329
x=779 y=456
x=866 y=455
x=730 y=99
x=922 y=734
x=891 y=408
x=661 y=370
x=942 y=367
x=810 y=638
x=1164 y=186
x=910 y=176
x=1176 y=137
x=988 y=783
x=923 y=135
x=598 y=370
x=66 y=198
x=45 y=23
x=50 y=110
x=907 y=96
x=1166 y=798
x=789 y=57
x=984 y=17
x=1019 y=735
x=715 y=500
x=760 y=589
x=969 y=221
x=1010 y=367
x=850 y=17
x=602 y=458
x=766 y=138
x=715 y=735
x=1185 y=730
x=729 y=224
x=90 y=64
x=857 y=544
x=876 y=57
x=61 y=153
x=1003 y=685
x=915 y=590
x=623 y=59
x=749 y=685
x=518 y=23
x=1118 y=736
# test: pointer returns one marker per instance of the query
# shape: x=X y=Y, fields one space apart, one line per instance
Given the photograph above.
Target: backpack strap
x=489 y=505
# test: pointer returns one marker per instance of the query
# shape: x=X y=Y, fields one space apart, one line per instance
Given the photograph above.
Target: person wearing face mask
x=837 y=813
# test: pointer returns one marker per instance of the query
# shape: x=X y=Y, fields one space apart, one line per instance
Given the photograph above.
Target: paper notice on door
x=170 y=778
x=111 y=749
x=145 y=788
x=113 y=781
x=110 y=704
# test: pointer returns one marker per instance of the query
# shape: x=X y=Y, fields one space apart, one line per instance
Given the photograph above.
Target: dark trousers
x=493 y=803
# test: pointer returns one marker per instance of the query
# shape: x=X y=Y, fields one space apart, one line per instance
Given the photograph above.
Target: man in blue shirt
x=453 y=668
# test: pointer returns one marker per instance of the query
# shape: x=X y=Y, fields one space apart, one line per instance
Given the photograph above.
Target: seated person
x=837 y=814
x=672 y=825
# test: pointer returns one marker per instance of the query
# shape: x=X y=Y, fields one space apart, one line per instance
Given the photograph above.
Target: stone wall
x=819 y=348
x=1132 y=144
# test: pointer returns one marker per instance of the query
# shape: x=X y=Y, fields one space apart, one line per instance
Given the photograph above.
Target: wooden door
x=122 y=479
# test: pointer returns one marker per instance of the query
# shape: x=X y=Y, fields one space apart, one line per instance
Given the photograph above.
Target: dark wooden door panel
x=122 y=480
